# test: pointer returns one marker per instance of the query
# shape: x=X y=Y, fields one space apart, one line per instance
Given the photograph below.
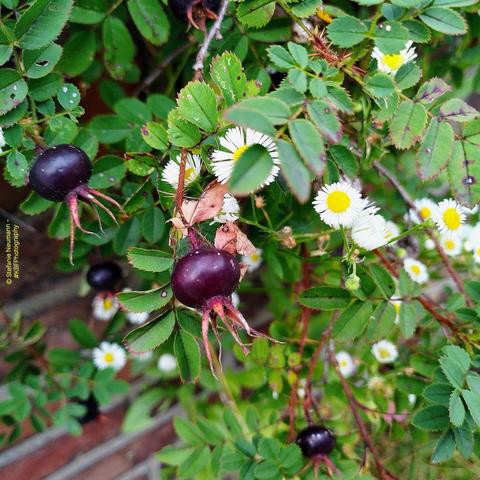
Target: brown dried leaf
x=209 y=204
x=230 y=238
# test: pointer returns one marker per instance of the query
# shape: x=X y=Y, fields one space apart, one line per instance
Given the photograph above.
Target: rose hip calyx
x=195 y=12
x=204 y=279
x=316 y=440
x=104 y=275
x=61 y=173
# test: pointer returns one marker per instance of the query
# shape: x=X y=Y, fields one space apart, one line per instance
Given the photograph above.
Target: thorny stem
x=214 y=32
x=409 y=201
x=382 y=471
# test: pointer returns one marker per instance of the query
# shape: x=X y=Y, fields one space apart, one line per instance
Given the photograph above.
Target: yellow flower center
x=396 y=306
x=415 y=269
x=254 y=257
x=239 y=152
x=425 y=212
x=478 y=251
x=394 y=62
x=338 y=202
x=108 y=357
x=188 y=172
x=383 y=353
x=343 y=363
x=107 y=303
x=449 y=244
x=452 y=218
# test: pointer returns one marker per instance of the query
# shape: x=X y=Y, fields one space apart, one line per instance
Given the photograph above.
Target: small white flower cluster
x=341 y=205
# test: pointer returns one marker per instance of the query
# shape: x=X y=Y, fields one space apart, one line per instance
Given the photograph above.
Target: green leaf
x=473 y=403
x=267 y=470
x=391 y=37
x=340 y=98
x=82 y=334
x=382 y=321
x=68 y=96
x=457 y=110
x=435 y=150
x=408 y=319
x=274 y=109
x=34 y=204
x=107 y=171
x=89 y=12
x=255 y=13
x=119 y=47
x=294 y=171
x=127 y=236
x=173 y=455
x=464 y=173
x=187 y=354
x=251 y=170
x=453 y=371
x=309 y=144
x=459 y=355
x=39 y=63
x=298 y=80
x=227 y=72
x=150 y=19
x=464 y=440
x=133 y=110
x=444 y=448
x=417 y=31
x=456 y=410
x=250 y=118
x=42 y=23
x=353 y=321
x=325 y=298
x=151 y=335
x=380 y=84
x=438 y=393
x=325 y=119
x=473 y=382
x=109 y=128
x=155 y=135
x=41 y=89
x=13 y=89
x=195 y=463
x=444 y=20
x=431 y=418
x=146 y=301
x=78 y=53
x=344 y=159
x=299 y=54
x=180 y=132
x=153 y=225
x=149 y=260
x=408 y=124
x=408 y=75
x=63 y=357
x=383 y=280
x=139 y=413
x=197 y=104
x=454 y=3
x=17 y=165
x=346 y=31
x=280 y=57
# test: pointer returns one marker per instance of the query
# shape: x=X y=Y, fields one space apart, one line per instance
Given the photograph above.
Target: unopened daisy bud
x=352 y=282
x=259 y=201
x=401 y=252
x=286 y=237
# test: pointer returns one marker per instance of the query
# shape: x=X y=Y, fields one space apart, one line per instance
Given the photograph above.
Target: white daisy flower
x=105 y=306
x=471 y=234
x=109 y=355
x=235 y=299
x=137 y=318
x=449 y=217
x=370 y=231
x=416 y=270
x=385 y=351
x=425 y=208
x=2 y=140
x=397 y=305
x=412 y=398
x=230 y=210
x=254 y=260
x=142 y=356
x=235 y=142
x=391 y=231
x=193 y=165
x=476 y=253
x=429 y=244
x=391 y=63
x=339 y=204
x=167 y=363
x=376 y=383
x=275 y=395
x=300 y=35
x=346 y=364
x=451 y=245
